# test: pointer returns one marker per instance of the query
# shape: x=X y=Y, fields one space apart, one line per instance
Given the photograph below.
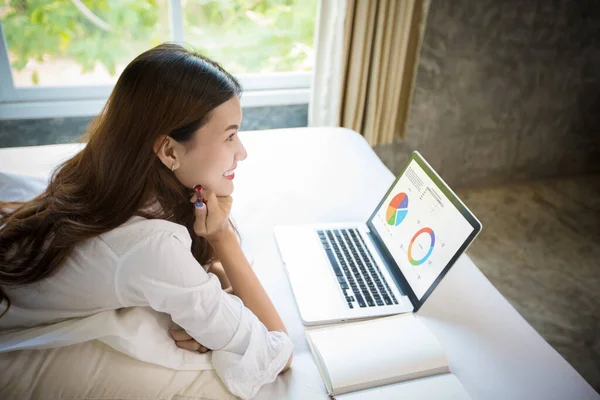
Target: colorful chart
x=421 y=232
x=397 y=209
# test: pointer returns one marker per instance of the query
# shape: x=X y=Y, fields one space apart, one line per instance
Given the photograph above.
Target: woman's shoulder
x=138 y=230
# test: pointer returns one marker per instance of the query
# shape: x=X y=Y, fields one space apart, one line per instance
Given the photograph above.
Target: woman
x=120 y=224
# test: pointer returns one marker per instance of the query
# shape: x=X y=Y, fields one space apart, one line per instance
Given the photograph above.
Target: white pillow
x=18 y=187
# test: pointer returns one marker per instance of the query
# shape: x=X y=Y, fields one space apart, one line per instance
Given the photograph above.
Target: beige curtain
x=379 y=54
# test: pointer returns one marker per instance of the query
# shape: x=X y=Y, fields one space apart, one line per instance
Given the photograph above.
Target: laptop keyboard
x=360 y=279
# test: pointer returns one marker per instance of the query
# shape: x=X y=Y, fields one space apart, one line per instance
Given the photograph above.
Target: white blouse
x=146 y=263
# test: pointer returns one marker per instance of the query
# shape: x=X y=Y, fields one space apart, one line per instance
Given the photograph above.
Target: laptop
x=387 y=265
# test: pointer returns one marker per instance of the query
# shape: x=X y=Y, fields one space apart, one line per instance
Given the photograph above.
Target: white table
x=314 y=175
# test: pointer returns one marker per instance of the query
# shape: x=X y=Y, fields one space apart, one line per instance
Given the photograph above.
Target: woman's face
x=214 y=151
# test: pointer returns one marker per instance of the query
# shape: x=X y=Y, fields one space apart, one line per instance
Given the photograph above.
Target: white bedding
x=316 y=175
x=24 y=171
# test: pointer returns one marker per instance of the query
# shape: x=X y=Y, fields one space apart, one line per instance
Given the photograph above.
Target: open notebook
x=384 y=351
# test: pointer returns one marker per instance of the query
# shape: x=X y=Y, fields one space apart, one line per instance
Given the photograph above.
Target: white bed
x=312 y=175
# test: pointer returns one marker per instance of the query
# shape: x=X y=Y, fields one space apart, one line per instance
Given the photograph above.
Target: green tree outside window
x=245 y=36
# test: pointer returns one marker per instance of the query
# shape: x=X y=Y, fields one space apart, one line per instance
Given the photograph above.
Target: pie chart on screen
x=397 y=209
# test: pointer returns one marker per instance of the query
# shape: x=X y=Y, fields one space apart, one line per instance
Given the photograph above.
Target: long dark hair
x=167 y=90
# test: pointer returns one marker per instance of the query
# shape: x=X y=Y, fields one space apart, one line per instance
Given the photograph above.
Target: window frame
x=268 y=89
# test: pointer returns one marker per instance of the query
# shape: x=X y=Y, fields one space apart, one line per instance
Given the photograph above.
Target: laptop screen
x=422 y=228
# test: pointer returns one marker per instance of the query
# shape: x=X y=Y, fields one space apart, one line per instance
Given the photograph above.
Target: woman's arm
x=245 y=283
x=217 y=268
x=212 y=223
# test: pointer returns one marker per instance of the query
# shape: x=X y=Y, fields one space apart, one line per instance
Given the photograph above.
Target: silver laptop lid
x=421 y=227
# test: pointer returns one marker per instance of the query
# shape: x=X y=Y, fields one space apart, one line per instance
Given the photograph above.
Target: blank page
x=377 y=352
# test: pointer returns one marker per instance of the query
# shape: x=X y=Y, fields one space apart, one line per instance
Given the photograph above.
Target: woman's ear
x=164 y=147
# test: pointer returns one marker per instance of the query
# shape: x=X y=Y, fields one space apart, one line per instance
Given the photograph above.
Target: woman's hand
x=212 y=214
x=185 y=341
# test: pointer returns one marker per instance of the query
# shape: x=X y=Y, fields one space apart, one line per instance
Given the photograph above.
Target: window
x=62 y=57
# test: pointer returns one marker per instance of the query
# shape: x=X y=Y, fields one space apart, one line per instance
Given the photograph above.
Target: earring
x=172 y=167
